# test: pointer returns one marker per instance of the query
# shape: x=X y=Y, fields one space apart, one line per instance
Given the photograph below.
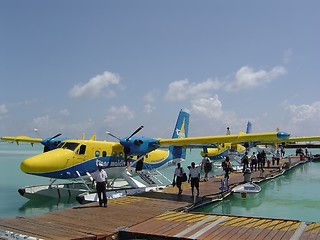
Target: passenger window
x=114 y=153
x=104 y=154
x=97 y=153
x=120 y=154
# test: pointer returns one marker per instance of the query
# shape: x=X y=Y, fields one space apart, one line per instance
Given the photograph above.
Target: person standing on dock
x=283 y=151
x=100 y=177
x=245 y=161
x=278 y=156
x=206 y=165
x=253 y=162
x=227 y=167
x=177 y=177
x=194 y=177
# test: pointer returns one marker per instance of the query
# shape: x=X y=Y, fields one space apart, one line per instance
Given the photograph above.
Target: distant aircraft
x=219 y=151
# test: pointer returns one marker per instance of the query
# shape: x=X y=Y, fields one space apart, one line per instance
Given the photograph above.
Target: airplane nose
x=30 y=165
x=283 y=135
x=35 y=164
x=45 y=162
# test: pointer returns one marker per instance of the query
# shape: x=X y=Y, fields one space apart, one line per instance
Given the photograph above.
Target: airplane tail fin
x=249 y=130
x=180 y=131
x=249 y=127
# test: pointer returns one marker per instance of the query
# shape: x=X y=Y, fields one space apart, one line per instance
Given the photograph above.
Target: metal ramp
x=153 y=177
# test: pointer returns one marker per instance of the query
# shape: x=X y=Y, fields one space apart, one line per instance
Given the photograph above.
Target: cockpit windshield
x=69 y=145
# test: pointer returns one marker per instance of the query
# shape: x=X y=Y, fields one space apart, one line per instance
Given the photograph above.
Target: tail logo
x=181 y=132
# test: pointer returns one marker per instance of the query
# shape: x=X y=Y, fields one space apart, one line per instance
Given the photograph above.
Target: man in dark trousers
x=100 y=177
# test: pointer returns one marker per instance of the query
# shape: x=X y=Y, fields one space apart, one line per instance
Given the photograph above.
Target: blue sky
x=94 y=66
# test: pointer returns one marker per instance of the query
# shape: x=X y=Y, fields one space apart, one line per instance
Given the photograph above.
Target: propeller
x=136 y=145
x=110 y=134
x=128 y=138
x=135 y=132
x=37 y=132
x=57 y=135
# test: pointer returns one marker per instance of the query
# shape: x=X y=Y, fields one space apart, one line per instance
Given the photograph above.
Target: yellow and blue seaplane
x=221 y=150
x=74 y=160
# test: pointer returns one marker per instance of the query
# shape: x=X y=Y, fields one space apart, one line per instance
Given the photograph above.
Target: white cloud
x=151 y=96
x=3 y=109
x=118 y=115
x=210 y=107
x=41 y=121
x=64 y=112
x=301 y=120
x=304 y=112
x=182 y=89
x=95 y=86
x=48 y=125
x=209 y=114
x=247 y=78
x=148 y=108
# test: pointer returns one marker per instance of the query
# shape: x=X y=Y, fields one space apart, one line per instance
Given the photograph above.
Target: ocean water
x=12 y=178
x=294 y=195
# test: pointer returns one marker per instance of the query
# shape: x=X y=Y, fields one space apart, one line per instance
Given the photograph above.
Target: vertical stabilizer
x=249 y=127
x=180 y=131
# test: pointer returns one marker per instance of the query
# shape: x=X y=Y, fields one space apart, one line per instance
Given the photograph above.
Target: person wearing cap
x=100 y=177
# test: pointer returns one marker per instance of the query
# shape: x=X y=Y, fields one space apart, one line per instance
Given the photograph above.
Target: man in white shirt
x=194 y=176
x=100 y=177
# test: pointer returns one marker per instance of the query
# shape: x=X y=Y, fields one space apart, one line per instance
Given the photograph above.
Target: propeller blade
x=110 y=134
x=136 y=131
x=57 y=135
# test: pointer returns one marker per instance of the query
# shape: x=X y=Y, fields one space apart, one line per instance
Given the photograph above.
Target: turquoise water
x=294 y=195
x=11 y=179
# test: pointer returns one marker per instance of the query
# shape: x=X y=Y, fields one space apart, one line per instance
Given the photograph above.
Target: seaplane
x=236 y=150
x=233 y=150
x=74 y=160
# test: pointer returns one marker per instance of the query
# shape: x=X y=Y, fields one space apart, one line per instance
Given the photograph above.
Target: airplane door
x=80 y=154
x=139 y=165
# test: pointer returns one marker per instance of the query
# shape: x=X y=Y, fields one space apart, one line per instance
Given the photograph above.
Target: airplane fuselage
x=223 y=150
x=78 y=157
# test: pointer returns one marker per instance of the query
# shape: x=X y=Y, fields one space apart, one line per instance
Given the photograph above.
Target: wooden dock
x=159 y=215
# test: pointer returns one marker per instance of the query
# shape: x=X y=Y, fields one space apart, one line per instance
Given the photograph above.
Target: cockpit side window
x=69 y=145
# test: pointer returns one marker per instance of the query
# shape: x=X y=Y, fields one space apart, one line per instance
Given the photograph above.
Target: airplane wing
x=234 y=138
x=18 y=139
x=303 y=139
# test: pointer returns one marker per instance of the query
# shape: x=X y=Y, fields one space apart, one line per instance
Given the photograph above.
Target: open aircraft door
x=80 y=154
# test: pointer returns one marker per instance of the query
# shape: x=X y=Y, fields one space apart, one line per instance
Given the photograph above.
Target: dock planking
x=158 y=215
